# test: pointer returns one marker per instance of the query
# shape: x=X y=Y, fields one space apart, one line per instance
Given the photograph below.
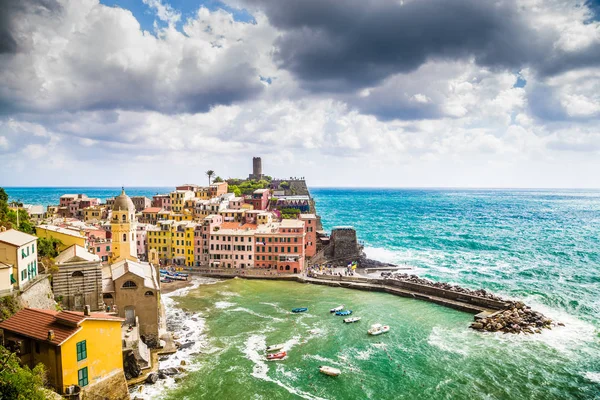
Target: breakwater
x=493 y=314
x=484 y=307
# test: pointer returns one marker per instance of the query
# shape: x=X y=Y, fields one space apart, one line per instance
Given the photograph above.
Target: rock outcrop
x=517 y=318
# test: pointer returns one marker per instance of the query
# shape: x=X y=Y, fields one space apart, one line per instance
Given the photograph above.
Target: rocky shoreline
x=516 y=318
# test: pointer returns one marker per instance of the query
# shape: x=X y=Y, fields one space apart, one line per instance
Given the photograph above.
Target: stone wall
x=113 y=387
x=38 y=294
x=78 y=291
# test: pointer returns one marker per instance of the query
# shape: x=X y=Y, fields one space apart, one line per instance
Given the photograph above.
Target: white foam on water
x=224 y=304
x=246 y=310
x=593 y=376
x=322 y=359
x=381 y=254
x=276 y=306
x=252 y=346
x=364 y=354
x=189 y=327
x=449 y=340
x=228 y=294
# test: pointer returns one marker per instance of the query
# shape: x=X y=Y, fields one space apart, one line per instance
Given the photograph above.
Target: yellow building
x=123 y=225
x=67 y=237
x=173 y=241
x=94 y=213
x=179 y=198
x=78 y=349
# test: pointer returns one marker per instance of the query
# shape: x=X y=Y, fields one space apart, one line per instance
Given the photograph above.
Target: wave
x=223 y=304
x=253 y=347
x=247 y=310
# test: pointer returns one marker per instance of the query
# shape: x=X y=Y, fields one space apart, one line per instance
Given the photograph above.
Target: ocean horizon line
x=327 y=187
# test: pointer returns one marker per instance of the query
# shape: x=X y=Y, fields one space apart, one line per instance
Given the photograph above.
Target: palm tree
x=210 y=174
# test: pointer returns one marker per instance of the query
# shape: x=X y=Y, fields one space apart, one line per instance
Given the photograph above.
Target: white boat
x=378 y=329
x=351 y=320
x=324 y=369
x=336 y=309
x=275 y=347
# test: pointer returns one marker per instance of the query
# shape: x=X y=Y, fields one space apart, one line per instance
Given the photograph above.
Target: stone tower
x=256 y=169
x=123 y=226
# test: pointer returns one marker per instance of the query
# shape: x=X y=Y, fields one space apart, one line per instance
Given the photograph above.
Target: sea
x=539 y=246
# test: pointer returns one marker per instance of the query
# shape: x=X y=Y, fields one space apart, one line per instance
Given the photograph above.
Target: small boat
x=276 y=356
x=299 y=309
x=275 y=347
x=343 y=313
x=351 y=320
x=378 y=329
x=324 y=369
x=336 y=309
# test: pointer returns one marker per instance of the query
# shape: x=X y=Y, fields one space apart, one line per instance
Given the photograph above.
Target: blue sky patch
x=146 y=16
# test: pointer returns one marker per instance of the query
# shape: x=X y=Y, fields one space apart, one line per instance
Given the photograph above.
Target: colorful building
x=77 y=348
x=260 y=199
x=67 y=237
x=19 y=250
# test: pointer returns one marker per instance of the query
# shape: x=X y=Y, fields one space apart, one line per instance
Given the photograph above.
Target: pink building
x=202 y=239
x=232 y=245
x=310 y=228
x=162 y=201
x=142 y=241
x=235 y=203
x=260 y=199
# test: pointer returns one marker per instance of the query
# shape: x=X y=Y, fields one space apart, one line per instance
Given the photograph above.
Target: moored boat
x=343 y=313
x=276 y=356
x=351 y=320
x=299 y=309
x=275 y=347
x=327 y=370
x=378 y=329
x=336 y=309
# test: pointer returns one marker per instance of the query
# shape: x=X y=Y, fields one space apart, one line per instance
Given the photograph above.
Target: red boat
x=276 y=356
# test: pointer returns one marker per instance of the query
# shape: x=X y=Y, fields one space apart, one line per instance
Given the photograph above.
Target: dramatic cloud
x=353 y=92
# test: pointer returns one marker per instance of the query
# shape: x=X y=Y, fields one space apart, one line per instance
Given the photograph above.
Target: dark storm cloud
x=12 y=9
x=343 y=45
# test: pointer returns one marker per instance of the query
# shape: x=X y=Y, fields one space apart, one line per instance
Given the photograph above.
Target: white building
x=19 y=250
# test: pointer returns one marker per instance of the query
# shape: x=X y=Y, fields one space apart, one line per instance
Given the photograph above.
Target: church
x=129 y=286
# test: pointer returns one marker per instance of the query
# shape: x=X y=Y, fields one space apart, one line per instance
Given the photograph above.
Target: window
x=77 y=274
x=82 y=376
x=129 y=285
x=98 y=249
x=149 y=293
x=107 y=248
x=124 y=237
x=81 y=351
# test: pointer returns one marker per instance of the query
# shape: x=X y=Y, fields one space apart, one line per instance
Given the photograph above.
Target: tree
x=48 y=247
x=18 y=382
x=8 y=216
x=210 y=174
x=235 y=190
x=217 y=179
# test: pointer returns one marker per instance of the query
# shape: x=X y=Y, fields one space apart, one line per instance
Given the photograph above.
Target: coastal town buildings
x=78 y=349
x=18 y=251
x=140 y=202
x=78 y=281
x=67 y=237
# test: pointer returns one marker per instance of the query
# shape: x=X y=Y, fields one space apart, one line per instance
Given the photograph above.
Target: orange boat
x=276 y=356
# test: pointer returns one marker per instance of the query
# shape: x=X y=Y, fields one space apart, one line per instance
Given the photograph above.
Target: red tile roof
x=237 y=225
x=35 y=324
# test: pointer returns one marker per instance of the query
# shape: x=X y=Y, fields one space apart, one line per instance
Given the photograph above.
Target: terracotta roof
x=151 y=210
x=35 y=323
x=237 y=225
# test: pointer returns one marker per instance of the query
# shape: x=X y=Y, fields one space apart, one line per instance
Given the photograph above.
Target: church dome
x=123 y=203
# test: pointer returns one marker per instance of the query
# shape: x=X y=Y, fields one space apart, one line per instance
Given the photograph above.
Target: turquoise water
x=542 y=246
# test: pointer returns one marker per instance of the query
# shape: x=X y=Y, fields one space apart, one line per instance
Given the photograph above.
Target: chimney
x=50 y=335
x=86 y=310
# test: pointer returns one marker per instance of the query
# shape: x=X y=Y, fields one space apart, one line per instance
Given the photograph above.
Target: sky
x=364 y=93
